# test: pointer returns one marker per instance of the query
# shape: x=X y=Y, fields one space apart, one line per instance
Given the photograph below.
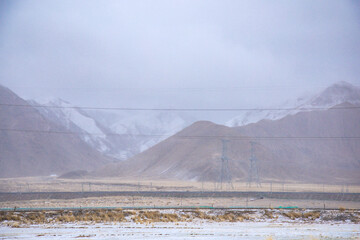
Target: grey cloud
x=177 y=53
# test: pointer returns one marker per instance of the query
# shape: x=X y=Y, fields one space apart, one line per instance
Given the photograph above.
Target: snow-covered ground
x=193 y=230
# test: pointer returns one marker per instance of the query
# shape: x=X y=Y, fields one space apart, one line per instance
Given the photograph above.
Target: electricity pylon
x=225 y=175
x=253 y=170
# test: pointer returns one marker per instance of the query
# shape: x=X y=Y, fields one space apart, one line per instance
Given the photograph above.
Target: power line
x=186 y=136
x=180 y=109
x=214 y=88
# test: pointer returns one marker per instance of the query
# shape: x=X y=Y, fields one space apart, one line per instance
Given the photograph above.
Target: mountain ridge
x=118 y=135
x=123 y=134
x=315 y=157
x=30 y=145
x=333 y=95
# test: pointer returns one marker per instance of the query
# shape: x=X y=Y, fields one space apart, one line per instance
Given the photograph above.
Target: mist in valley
x=160 y=113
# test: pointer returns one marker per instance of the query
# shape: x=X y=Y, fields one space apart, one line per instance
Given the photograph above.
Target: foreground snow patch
x=197 y=230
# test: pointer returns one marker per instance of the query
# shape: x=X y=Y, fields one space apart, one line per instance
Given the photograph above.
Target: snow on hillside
x=145 y=128
x=335 y=94
x=75 y=120
x=119 y=134
x=66 y=113
x=122 y=134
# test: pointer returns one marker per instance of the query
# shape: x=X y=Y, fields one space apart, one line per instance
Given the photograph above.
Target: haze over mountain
x=188 y=54
x=123 y=134
x=186 y=155
x=305 y=147
x=27 y=153
x=209 y=56
x=308 y=146
x=337 y=93
x=118 y=134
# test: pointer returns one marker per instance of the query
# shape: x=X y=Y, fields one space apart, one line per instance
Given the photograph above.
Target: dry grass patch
x=312 y=215
x=7 y=216
x=152 y=216
x=156 y=216
x=342 y=209
x=268 y=214
x=14 y=224
x=292 y=215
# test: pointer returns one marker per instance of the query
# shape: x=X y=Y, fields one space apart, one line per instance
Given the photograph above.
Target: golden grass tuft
x=268 y=214
x=312 y=215
x=9 y=217
x=14 y=224
x=201 y=215
x=342 y=209
x=151 y=216
x=292 y=215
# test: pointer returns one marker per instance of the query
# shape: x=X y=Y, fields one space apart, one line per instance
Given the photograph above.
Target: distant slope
x=177 y=157
x=191 y=156
x=29 y=153
x=118 y=134
x=123 y=134
x=335 y=160
x=335 y=94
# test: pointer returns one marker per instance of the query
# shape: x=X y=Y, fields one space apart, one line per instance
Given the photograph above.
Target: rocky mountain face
x=316 y=146
x=118 y=134
x=31 y=145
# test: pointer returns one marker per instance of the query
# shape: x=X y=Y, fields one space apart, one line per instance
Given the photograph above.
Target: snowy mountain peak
x=337 y=93
x=74 y=120
x=55 y=102
x=122 y=134
x=68 y=114
x=119 y=134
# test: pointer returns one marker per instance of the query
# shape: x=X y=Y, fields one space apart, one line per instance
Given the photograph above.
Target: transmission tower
x=253 y=171
x=225 y=175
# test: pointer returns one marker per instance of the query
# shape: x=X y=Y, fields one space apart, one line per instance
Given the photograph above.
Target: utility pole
x=253 y=171
x=225 y=175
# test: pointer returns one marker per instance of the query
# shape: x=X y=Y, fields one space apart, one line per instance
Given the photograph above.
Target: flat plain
x=23 y=186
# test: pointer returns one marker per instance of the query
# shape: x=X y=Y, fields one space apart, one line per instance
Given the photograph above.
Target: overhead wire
x=184 y=136
x=179 y=109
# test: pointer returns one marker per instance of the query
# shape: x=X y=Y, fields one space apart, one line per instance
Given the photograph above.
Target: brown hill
x=194 y=153
x=329 y=147
x=33 y=153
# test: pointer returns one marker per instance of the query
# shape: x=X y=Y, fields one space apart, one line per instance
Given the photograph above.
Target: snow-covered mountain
x=119 y=134
x=335 y=94
x=25 y=149
x=123 y=134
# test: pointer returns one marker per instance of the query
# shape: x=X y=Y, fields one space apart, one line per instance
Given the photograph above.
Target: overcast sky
x=201 y=54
